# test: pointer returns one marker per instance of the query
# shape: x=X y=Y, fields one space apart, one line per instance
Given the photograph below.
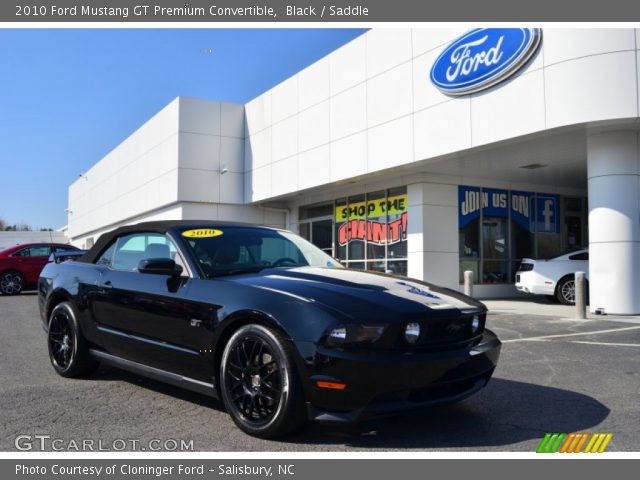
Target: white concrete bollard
x=468 y=283
x=580 y=284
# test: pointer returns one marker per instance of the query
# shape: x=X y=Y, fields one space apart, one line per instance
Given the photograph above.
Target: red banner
x=379 y=233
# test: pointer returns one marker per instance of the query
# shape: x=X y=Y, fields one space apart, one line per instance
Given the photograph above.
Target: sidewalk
x=545 y=308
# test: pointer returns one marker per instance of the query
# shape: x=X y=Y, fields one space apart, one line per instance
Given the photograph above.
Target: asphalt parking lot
x=555 y=375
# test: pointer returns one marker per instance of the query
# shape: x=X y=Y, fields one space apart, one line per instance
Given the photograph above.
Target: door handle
x=106 y=285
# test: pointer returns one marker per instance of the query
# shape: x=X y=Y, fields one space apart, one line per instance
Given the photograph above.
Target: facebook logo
x=548 y=220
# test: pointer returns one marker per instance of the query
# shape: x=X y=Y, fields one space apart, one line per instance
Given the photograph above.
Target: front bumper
x=379 y=383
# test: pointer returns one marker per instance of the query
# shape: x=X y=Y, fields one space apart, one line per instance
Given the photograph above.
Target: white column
x=613 y=169
x=433 y=233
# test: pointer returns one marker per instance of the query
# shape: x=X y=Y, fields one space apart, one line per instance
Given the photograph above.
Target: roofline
x=30 y=244
x=159 y=226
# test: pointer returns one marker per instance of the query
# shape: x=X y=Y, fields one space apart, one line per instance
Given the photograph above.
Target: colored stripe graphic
x=591 y=442
x=598 y=443
x=543 y=443
x=558 y=442
x=551 y=443
x=581 y=443
x=605 y=442
x=573 y=442
x=569 y=442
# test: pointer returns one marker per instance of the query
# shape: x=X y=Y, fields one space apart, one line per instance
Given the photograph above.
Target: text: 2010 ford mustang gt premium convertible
x=265 y=321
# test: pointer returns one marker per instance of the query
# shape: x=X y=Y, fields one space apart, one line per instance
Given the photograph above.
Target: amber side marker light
x=331 y=385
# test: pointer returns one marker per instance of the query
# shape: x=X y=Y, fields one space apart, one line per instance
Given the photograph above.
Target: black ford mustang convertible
x=265 y=321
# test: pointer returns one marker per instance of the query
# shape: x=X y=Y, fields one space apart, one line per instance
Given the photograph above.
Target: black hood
x=359 y=294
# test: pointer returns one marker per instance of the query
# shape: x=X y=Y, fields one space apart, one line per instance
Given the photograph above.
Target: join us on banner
x=536 y=212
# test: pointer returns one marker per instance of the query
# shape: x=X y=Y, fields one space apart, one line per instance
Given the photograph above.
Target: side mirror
x=160 y=266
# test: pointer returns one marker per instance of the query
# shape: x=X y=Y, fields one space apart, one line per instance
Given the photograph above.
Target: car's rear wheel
x=68 y=349
x=11 y=283
x=566 y=291
x=259 y=383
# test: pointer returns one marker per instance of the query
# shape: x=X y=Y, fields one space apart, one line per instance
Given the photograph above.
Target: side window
x=127 y=251
x=40 y=251
x=107 y=256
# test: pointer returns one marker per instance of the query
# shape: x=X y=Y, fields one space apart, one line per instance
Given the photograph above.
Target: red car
x=20 y=266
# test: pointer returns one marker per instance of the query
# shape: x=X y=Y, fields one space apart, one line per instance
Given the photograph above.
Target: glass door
x=319 y=231
x=495 y=250
x=322 y=235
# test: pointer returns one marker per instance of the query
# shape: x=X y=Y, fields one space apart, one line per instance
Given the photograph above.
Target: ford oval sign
x=482 y=58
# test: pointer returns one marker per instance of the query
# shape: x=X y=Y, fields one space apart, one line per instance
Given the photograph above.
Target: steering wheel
x=277 y=263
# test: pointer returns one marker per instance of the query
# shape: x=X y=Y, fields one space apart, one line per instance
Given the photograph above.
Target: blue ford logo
x=482 y=58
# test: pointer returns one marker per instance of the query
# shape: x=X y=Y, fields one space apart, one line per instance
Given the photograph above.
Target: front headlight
x=338 y=335
x=475 y=324
x=348 y=334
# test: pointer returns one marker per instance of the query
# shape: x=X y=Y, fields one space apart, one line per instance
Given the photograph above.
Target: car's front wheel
x=11 y=283
x=259 y=383
x=68 y=349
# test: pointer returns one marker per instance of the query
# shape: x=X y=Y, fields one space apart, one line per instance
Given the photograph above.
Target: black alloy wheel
x=68 y=350
x=62 y=340
x=259 y=386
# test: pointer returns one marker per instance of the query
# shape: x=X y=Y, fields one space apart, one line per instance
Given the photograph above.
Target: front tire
x=11 y=283
x=68 y=349
x=260 y=387
x=566 y=291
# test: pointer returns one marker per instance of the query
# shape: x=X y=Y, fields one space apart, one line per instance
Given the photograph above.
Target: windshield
x=235 y=250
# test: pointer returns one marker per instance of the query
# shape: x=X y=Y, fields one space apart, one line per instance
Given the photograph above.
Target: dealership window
x=366 y=231
x=575 y=229
x=357 y=212
x=498 y=228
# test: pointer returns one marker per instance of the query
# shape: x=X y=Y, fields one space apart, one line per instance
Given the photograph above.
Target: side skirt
x=155 y=373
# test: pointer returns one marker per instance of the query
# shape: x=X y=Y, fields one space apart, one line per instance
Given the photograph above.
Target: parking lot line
x=545 y=337
x=608 y=344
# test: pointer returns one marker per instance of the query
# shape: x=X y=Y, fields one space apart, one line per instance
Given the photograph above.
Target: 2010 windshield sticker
x=202 y=233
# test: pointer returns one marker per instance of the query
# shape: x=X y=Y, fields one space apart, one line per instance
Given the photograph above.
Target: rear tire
x=68 y=349
x=11 y=283
x=259 y=383
x=566 y=291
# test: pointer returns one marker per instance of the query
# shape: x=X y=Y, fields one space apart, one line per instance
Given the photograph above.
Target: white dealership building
x=366 y=155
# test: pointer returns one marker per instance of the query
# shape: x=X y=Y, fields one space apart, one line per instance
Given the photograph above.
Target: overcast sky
x=69 y=96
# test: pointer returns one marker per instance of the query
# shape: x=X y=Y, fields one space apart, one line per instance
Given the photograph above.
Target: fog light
x=338 y=335
x=475 y=324
x=412 y=333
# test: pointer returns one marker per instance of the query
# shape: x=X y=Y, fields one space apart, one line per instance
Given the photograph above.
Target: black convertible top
x=161 y=226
